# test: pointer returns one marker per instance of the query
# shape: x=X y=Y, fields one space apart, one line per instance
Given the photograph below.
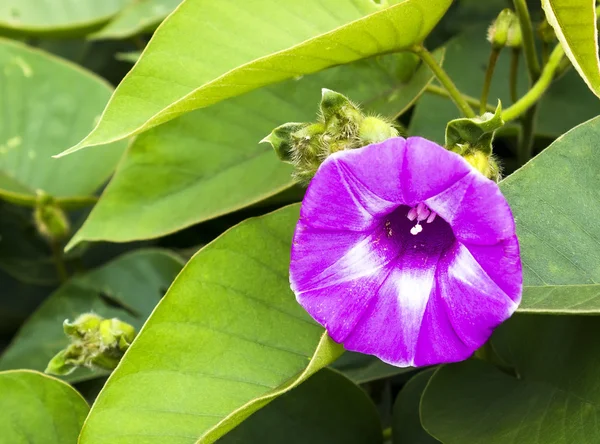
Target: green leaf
x=14 y=310
x=62 y=18
x=212 y=159
x=406 y=420
x=47 y=104
x=128 y=288
x=574 y=22
x=138 y=17
x=554 y=199
x=193 y=61
x=39 y=409
x=228 y=338
x=325 y=409
x=366 y=368
x=566 y=104
x=553 y=396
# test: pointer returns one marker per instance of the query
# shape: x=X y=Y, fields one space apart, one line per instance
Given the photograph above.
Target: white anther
x=431 y=217
x=412 y=214
x=416 y=229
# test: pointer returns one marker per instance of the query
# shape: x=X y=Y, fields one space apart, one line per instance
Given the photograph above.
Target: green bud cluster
x=472 y=138
x=96 y=343
x=50 y=220
x=341 y=125
x=505 y=31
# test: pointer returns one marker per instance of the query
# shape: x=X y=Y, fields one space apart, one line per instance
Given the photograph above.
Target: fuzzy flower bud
x=50 y=220
x=95 y=343
x=341 y=126
x=505 y=30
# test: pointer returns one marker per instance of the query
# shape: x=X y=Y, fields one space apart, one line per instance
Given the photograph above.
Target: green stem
x=533 y=65
x=59 y=261
x=445 y=80
x=514 y=73
x=540 y=87
x=387 y=433
x=472 y=101
x=489 y=73
x=526 y=136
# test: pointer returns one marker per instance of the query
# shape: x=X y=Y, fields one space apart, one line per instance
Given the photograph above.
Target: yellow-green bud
x=374 y=129
x=50 y=220
x=342 y=117
x=546 y=32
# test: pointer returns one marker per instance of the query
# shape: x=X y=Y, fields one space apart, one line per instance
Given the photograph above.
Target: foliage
x=136 y=203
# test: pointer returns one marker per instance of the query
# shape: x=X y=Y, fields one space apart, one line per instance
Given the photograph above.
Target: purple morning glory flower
x=406 y=252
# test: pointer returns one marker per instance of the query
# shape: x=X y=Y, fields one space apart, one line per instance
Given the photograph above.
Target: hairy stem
x=531 y=57
x=472 y=101
x=489 y=74
x=538 y=89
x=445 y=80
x=526 y=136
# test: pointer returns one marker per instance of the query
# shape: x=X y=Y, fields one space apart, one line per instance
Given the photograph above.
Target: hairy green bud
x=341 y=125
x=505 y=30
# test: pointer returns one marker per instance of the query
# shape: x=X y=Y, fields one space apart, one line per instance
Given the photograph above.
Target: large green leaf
x=567 y=103
x=406 y=421
x=366 y=368
x=326 y=409
x=45 y=105
x=574 y=22
x=194 y=60
x=56 y=17
x=209 y=162
x=128 y=288
x=556 y=204
x=38 y=409
x=14 y=310
x=552 y=398
x=227 y=338
x=139 y=16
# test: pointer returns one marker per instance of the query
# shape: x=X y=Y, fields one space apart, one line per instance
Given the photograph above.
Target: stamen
x=431 y=217
x=412 y=214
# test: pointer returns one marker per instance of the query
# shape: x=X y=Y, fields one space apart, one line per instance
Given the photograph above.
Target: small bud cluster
x=505 y=31
x=95 y=343
x=341 y=125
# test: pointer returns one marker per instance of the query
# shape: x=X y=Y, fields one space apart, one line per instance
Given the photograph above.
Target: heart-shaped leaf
x=325 y=409
x=64 y=18
x=43 y=112
x=137 y=17
x=556 y=204
x=553 y=397
x=38 y=409
x=366 y=368
x=127 y=288
x=228 y=338
x=574 y=22
x=194 y=61
x=209 y=162
x=406 y=420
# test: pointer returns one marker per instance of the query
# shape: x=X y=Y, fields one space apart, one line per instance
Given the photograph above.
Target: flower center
x=420 y=213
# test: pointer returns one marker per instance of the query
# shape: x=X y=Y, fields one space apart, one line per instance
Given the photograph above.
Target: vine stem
x=538 y=89
x=489 y=73
x=514 y=73
x=533 y=65
x=444 y=79
x=59 y=261
x=472 y=101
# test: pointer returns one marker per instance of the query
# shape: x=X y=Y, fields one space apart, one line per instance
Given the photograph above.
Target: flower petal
x=476 y=209
x=475 y=304
x=350 y=204
x=429 y=169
